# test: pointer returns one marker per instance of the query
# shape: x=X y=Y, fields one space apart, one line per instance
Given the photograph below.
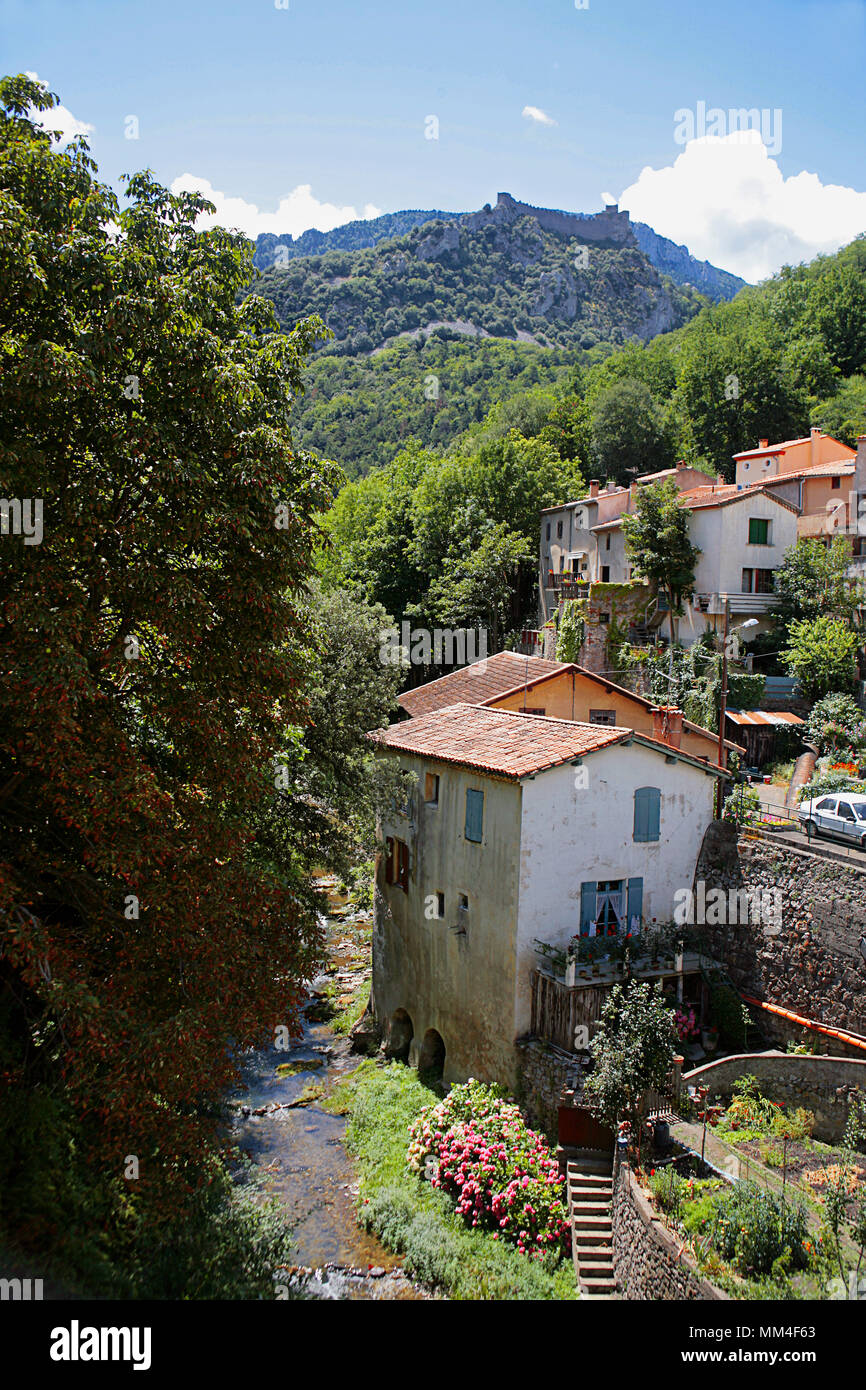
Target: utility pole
x=720 y=788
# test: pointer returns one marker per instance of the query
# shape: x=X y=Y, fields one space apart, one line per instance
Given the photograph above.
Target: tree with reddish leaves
x=153 y=650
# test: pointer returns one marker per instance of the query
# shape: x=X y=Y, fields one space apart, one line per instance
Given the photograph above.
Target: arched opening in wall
x=400 y=1036
x=431 y=1058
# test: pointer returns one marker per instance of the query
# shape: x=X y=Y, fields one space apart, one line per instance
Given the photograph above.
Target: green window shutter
x=587 y=906
x=759 y=530
x=474 y=815
x=647 y=814
x=634 y=907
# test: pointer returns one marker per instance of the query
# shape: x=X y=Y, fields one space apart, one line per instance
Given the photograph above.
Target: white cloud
x=535 y=113
x=60 y=118
x=728 y=201
x=296 y=212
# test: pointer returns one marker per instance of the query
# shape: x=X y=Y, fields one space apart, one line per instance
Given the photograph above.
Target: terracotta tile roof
x=841 y=468
x=610 y=688
x=771 y=448
x=496 y=740
x=787 y=444
x=722 y=496
x=508 y=744
x=477 y=683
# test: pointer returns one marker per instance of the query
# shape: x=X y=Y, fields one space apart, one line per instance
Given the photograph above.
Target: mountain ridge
x=668 y=257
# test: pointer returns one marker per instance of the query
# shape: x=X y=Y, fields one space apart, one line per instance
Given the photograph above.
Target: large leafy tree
x=813 y=579
x=730 y=389
x=629 y=434
x=321 y=811
x=658 y=543
x=153 y=650
x=820 y=654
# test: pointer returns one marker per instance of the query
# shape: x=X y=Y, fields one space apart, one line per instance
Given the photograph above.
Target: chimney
x=814 y=436
x=668 y=724
x=593 y=487
x=860 y=466
x=763 y=443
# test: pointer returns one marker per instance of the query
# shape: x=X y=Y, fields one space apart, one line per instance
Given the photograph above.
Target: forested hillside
x=361 y=409
x=450 y=532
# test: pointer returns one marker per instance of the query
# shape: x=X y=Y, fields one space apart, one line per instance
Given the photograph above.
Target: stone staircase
x=590 y=1193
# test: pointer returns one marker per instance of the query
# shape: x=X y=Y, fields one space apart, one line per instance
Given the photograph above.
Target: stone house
x=516 y=829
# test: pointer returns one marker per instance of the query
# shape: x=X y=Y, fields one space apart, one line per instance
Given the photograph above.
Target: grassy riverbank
x=412 y=1218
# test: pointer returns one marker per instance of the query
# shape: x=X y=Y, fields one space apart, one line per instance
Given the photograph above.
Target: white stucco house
x=743 y=534
x=517 y=828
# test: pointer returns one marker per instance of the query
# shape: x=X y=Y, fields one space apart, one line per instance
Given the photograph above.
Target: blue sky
x=556 y=104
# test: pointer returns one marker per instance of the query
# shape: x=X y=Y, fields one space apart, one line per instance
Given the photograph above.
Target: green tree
x=628 y=432
x=820 y=654
x=479 y=587
x=154 y=648
x=658 y=544
x=837 y=724
x=325 y=815
x=813 y=580
x=730 y=389
x=844 y=414
x=633 y=1049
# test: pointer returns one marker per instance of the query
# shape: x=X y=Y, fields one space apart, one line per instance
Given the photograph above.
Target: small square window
x=431 y=789
x=602 y=716
x=835 y=482
x=759 y=530
x=604 y=617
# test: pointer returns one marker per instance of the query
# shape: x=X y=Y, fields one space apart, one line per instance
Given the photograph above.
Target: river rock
x=366 y=1034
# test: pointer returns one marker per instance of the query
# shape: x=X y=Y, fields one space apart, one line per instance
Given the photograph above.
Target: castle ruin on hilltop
x=611 y=225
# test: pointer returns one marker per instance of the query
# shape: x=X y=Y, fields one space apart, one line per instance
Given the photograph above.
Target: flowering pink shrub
x=476 y=1146
x=686 y=1024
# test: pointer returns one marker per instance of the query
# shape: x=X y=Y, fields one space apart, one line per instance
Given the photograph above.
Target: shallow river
x=302 y=1151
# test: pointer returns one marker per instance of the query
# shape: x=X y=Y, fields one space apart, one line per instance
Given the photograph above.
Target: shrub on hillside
x=837 y=725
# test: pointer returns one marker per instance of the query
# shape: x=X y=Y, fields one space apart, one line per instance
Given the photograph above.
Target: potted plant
x=709 y=1038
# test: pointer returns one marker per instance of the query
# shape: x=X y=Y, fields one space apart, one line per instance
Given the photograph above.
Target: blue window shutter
x=634 y=907
x=587 y=906
x=647 y=814
x=474 y=815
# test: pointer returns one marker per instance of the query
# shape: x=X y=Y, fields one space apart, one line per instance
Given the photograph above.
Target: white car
x=840 y=814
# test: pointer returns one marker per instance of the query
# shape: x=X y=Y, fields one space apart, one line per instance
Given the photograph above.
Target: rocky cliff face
x=509 y=271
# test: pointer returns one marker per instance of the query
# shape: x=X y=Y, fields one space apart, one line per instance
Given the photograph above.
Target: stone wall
x=610 y=226
x=808 y=961
x=543 y=1071
x=648 y=1260
x=820 y=1084
x=620 y=603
